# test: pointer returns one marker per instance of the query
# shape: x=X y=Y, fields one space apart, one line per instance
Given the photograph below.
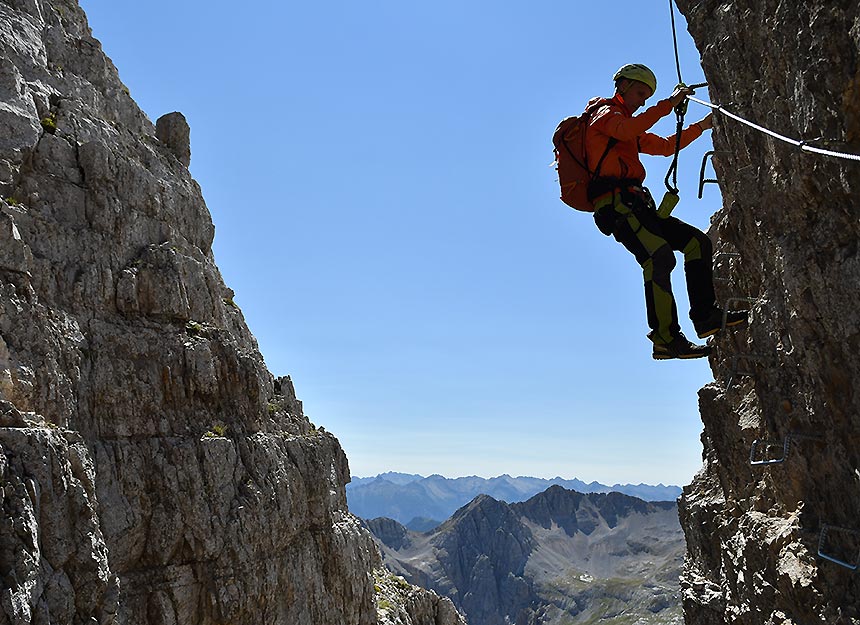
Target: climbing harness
x=671 y=197
x=673 y=167
x=680 y=111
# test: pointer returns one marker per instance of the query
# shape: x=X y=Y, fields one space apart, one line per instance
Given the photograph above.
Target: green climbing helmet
x=636 y=71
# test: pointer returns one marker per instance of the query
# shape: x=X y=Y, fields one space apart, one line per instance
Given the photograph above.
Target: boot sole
x=681 y=357
x=714 y=331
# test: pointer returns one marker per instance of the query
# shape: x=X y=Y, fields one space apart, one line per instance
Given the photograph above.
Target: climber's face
x=634 y=93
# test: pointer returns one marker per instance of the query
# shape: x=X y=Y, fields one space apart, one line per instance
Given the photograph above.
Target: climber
x=625 y=209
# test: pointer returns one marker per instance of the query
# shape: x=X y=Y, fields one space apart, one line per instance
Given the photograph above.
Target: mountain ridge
x=412 y=499
x=559 y=555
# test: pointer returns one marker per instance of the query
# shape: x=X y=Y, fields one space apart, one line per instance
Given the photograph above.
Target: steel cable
x=803 y=145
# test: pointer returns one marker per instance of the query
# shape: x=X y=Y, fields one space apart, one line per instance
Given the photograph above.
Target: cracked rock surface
x=781 y=455
x=152 y=470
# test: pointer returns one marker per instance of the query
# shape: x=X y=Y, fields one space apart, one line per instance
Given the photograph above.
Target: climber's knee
x=699 y=248
x=662 y=262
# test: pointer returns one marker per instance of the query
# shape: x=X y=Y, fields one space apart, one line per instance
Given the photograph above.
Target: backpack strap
x=609 y=145
x=589 y=111
x=572 y=155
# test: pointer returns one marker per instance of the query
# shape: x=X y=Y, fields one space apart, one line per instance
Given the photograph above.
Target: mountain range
x=560 y=557
x=421 y=503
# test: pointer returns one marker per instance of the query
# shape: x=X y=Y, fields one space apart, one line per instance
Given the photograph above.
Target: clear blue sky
x=378 y=177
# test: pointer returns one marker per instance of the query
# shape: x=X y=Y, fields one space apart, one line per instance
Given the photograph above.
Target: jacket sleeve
x=659 y=146
x=614 y=123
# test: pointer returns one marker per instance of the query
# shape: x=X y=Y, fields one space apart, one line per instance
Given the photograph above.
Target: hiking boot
x=713 y=323
x=679 y=347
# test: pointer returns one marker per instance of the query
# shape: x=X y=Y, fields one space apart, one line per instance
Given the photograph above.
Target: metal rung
x=721 y=254
x=736 y=371
x=717 y=258
x=786 y=447
x=702 y=180
x=742 y=300
x=736 y=300
x=827 y=530
x=791 y=437
x=759 y=358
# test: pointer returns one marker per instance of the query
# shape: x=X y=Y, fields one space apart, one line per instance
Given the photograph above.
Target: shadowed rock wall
x=753 y=531
x=151 y=468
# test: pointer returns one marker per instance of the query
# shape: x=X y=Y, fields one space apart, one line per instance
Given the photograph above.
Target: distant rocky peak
x=390 y=532
x=575 y=511
x=541 y=561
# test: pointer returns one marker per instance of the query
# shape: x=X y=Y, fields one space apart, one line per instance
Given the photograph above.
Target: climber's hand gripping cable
x=679 y=98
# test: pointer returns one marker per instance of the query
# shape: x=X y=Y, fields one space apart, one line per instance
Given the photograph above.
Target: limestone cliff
x=151 y=469
x=776 y=503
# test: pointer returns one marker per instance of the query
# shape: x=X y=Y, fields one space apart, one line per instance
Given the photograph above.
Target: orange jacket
x=614 y=119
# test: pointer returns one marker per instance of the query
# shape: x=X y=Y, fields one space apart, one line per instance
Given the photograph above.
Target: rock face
x=174 y=132
x=151 y=469
x=781 y=454
x=560 y=557
x=390 y=532
x=400 y=603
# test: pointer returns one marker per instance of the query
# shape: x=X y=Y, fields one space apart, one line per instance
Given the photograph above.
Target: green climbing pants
x=630 y=216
